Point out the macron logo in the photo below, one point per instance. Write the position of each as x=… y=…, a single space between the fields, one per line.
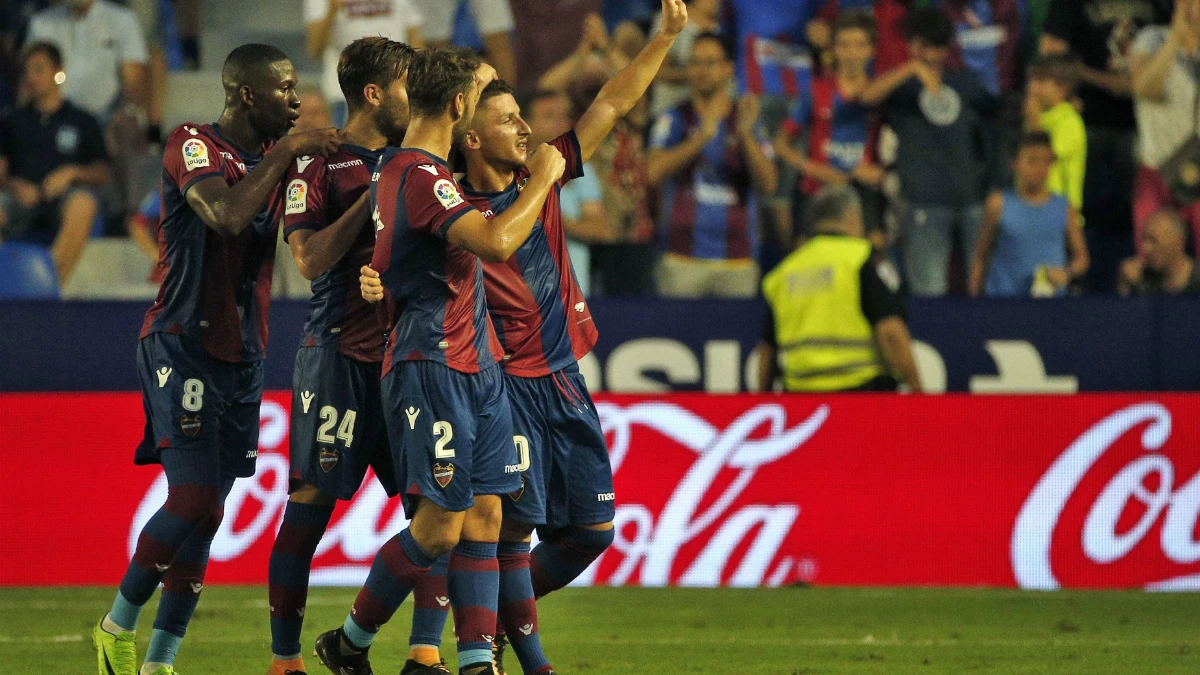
x=163 y=373
x=412 y=416
x=442 y=600
x=606 y=497
x=306 y=399
x=428 y=167
x=302 y=163
x=526 y=629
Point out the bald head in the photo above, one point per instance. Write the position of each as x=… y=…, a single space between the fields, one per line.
x=1163 y=239
x=836 y=210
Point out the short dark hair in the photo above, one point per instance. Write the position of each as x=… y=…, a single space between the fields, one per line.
x=371 y=60
x=831 y=206
x=1064 y=69
x=930 y=26
x=857 y=20
x=49 y=49
x=715 y=37
x=496 y=88
x=1035 y=139
x=249 y=62
x=436 y=76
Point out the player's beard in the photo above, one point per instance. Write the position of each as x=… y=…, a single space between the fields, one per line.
x=459 y=133
x=392 y=121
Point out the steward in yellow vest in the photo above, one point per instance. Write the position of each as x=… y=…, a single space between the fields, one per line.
x=835 y=321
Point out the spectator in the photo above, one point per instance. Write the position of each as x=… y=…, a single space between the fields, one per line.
x=671 y=87
x=537 y=49
x=625 y=266
x=493 y=20
x=1051 y=86
x=770 y=36
x=1027 y=231
x=333 y=24
x=947 y=133
x=51 y=152
x=581 y=201
x=711 y=159
x=597 y=57
x=843 y=133
x=1165 y=90
x=834 y=314
x=1100 y=33
x=987 y=34
x=891 y=46
x=104 y=51
x=1164 y=267
x=314 y=111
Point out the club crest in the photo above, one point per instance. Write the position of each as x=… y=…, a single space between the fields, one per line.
x=328 y=459
x=190 y=424
x=519 y=492
x=443 y=473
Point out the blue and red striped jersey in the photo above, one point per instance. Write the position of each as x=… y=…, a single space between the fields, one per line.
x=433 y=290
x=215 y=288
x=708 y=210
x=841 y=133
x=319 y=191
x=537 y=308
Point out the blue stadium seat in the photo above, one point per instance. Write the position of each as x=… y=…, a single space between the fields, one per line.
x=27 y=273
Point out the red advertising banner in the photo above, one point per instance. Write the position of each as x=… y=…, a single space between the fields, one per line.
x=1037 y=492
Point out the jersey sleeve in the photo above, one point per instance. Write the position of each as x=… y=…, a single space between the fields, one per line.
x=568 y=145
x=305 y=197
x=880 y=283
x=432 y=199
x=189 y=157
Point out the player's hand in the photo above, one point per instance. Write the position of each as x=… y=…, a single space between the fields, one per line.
x=747 y=115
x=547 y=164
x=674 y=14
x=26 y=193
x=595 y=34
x=57 y=182
x=323 y=142
x=1131 y=271
x=370 y=284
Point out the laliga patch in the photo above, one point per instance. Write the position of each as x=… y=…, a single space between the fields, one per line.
x=519 y=492
x=297 y=197
x=190 y=424
x=443 y=473
x=195 y=154
x=447 y=194
x=328 y=459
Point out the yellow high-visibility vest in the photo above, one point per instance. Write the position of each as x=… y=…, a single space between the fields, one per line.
x=815 y=294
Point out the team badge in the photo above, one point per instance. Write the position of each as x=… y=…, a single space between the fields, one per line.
x=447 y=194
x=328 y=459
x=195 y=154
x=190 y=424
x=519 y=492
x=297 y=197
x=443 y=473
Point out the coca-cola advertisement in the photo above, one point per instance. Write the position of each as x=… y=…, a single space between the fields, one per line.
x=1042 y=492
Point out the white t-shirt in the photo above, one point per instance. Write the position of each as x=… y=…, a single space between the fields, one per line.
x=93 y=48
x=356 y=19
x=1164 y=126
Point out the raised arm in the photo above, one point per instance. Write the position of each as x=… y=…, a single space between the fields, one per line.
x=319 y=32
x=497 y=239
x=882 y=87
x=624 y=90
x=229 y=210
x=317 y=251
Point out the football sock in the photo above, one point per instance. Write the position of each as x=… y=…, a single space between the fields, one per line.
x=287 y=577
x=397 y=568
x=474 y=584
x=182 y=585
x=431 y=607
x=518 y=611
x=557 y=561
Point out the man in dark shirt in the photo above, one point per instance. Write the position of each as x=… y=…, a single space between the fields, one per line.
x=51 y=151
x=947 y=159
x=834 y=314
x=1164 y=268
x=1101 y=33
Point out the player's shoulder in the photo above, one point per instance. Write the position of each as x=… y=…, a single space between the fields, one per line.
x=307 y=168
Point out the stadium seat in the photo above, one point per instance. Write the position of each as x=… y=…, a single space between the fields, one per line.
x=27 y=273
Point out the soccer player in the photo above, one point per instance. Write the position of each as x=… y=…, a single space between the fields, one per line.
x=337 y=421
x=448 y=418
x=545 y=326
x=202 y=343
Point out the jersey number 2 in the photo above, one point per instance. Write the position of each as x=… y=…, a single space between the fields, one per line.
x=345 y=432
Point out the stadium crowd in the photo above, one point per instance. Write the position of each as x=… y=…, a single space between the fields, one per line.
x=997 y=147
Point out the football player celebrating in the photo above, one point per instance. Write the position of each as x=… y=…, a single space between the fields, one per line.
x=337 y=421
x=448 y=418
x=202 y=343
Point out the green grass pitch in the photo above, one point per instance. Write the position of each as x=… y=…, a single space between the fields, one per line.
x=606 y=631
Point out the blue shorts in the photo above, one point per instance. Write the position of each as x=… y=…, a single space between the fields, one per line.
x=196 y=403
x=450 y=434
x=337 y=424
x=567 y=474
